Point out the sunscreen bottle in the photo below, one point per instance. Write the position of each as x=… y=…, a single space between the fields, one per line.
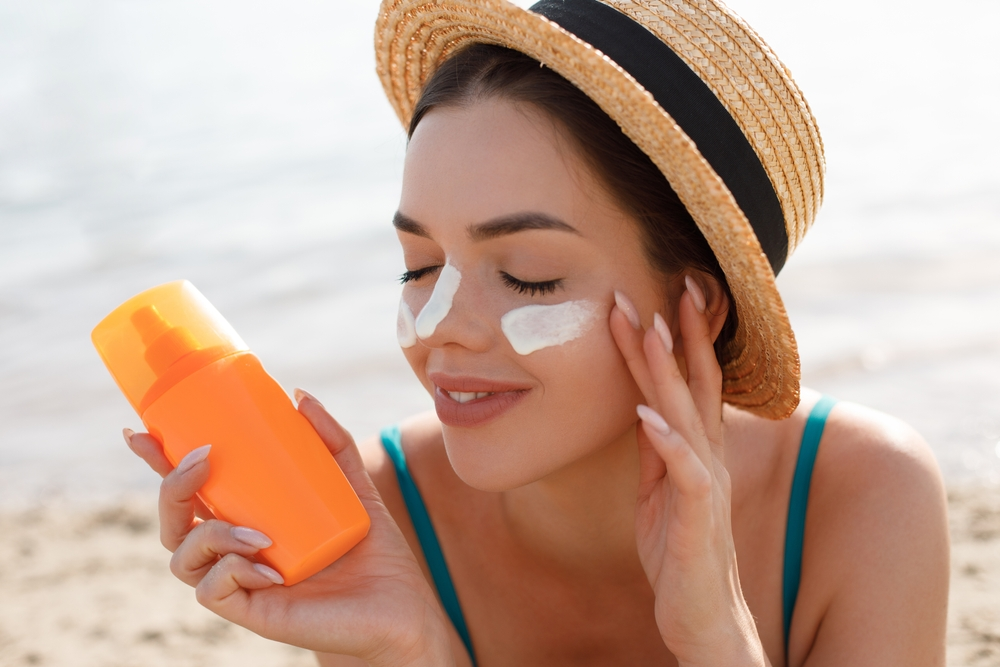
x=194 y=382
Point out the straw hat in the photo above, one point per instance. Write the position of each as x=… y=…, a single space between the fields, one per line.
x=703 y=96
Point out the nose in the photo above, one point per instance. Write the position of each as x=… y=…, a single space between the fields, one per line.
x=451 y=315
x=440 y=303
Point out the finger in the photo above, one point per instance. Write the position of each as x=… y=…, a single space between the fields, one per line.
x=652 y=468
x=674 y=402
x=627 y=332
x=149 y=449
x=177 y=497
x=210 y=541
x=225 y=589
x=686 y=470
x=339 y=442
x=704 y=372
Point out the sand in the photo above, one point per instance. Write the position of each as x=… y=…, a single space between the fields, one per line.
x=974 y=611
x=89 y=588
x=92 y=589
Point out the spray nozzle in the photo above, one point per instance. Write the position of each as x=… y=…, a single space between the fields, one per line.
x=165 y=344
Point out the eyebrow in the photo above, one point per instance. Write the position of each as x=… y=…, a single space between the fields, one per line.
x=502 y=226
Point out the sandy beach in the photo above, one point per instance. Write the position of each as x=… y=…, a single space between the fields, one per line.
x=92 y=589
x=974 y=612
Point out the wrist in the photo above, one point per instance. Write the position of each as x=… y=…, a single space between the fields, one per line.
x=734 y=643
x=428 y=646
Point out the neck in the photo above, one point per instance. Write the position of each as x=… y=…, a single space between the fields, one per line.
x=582 y=517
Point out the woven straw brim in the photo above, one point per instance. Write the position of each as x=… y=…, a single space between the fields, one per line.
x=761 y=367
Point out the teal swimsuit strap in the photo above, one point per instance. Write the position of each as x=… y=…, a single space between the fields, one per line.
x=426 y=535
x=797 y=503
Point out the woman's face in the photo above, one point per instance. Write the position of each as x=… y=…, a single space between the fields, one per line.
x=497 y=194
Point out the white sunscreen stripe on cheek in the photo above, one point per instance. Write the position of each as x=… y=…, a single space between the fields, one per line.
x=532 y=328
x=437 y=307
x=406 y=332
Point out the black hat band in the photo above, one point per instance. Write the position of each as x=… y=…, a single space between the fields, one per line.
x=690 y=102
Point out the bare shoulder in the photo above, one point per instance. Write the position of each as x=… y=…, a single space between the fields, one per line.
x=875 y=560
x=881 y=473
x=877 y=490
x=866 y=454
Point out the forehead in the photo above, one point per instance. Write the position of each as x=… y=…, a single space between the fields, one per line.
x=494 y=158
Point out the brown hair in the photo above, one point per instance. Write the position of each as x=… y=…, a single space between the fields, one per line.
x=673 y=242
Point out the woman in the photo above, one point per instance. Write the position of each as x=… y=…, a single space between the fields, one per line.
x=620 y=469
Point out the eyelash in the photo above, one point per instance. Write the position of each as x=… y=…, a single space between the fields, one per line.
x=522 y=287
x=417 y=274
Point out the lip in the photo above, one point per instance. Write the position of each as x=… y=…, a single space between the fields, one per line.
x=480 y=411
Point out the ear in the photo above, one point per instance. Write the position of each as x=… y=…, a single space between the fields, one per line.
x=717 y=303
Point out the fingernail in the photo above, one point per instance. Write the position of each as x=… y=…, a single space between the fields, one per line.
x=270 y=573
x=650 y=416
x=664 y=331
x=193 y=458
x=128 y=433
x=626 y=306
x=251 y=537
x=697 y=296
x=302 y=393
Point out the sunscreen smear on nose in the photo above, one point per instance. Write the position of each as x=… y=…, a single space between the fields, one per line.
x=406 y=331
x=438 y=306
x=194 y=382
x=532 y=328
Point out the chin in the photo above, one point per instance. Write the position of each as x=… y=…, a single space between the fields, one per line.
x=498 y=459
x=512 y=453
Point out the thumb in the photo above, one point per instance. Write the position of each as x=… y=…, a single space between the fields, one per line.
x=339 y=442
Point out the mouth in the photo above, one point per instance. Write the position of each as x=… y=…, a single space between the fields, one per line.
x=468 y=402
x=466 y=396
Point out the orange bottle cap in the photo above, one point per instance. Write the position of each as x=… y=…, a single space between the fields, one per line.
x=160 y=336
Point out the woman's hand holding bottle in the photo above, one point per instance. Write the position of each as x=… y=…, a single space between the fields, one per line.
x=373 y=603
x=683 y=527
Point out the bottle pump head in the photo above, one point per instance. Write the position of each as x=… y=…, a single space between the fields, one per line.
x=159 y=337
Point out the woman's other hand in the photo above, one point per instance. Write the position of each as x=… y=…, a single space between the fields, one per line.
x=683 y=527
x=373 y=602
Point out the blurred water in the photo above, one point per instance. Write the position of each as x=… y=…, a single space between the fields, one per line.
x=248 y=147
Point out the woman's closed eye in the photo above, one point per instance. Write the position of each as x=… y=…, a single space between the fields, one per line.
x=417 y=274
x=524 y=287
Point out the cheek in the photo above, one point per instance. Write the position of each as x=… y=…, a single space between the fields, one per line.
x=533 y=328
x=585 y=401
x=590 y=396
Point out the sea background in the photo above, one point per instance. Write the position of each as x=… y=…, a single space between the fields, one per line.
x=247 y=146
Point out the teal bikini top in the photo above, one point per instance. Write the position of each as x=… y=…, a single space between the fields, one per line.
x=794 y=530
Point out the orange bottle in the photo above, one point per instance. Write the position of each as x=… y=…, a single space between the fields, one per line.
x=193 y=382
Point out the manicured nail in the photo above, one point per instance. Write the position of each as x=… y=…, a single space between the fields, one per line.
x=697 y=296
x=251 y=537
x=128 y=433
x=650 y=416
x=302 y=393
x=270 y=573
x=626 y=306
x=193 y=458
x=664 y=331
